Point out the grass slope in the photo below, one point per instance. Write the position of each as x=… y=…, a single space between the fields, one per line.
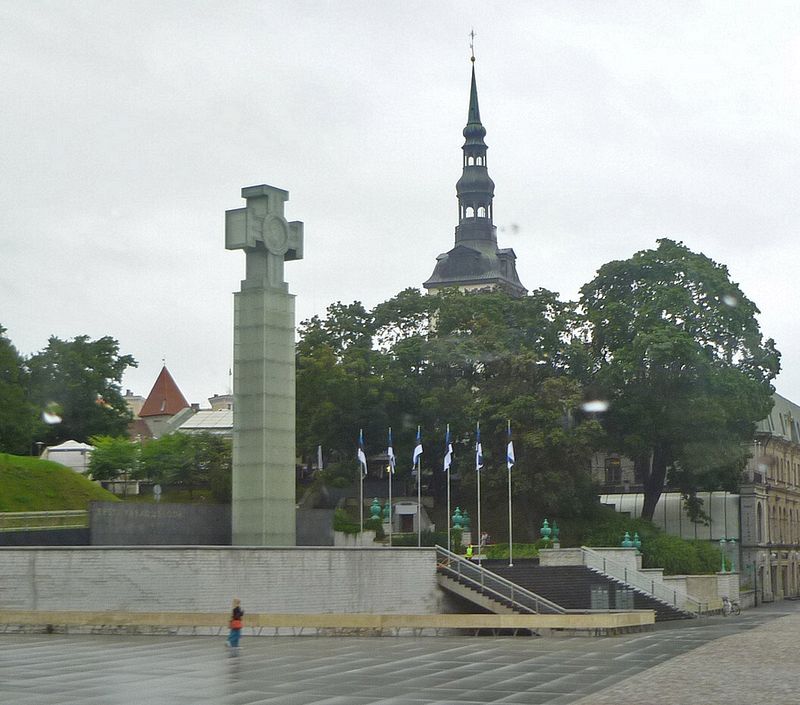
x=33 y=485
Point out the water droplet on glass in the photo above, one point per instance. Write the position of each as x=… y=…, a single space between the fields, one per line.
x=596 y=406
x=51 y=413
x=730 y=300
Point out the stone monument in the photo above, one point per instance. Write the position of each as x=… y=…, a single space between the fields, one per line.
x=263 y=498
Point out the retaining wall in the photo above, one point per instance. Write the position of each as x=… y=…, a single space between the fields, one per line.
x=205 y=579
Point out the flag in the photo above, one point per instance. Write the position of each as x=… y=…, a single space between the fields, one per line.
x=390 y=453
x=417 y=448
x=510 y=460
x=448 y=450
x=478 y=449
x=362 y=455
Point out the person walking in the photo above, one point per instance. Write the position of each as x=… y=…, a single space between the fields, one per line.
x=235 y=624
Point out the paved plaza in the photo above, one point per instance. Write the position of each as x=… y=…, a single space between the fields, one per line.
x=739 y=660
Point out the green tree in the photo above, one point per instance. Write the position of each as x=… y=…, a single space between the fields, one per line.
x=114 y=458
x=677 y=351
x=164 y=457
x=189 y=460
x=511 y=359
x=17 y=414
x=82 y=377
x=214 y=454
x=453 y=358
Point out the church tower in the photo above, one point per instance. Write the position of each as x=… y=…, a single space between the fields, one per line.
x=476 y=262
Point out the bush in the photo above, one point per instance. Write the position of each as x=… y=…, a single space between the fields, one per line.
x=606 y=527
x=375 y=525
x=344 y=523
x=428 y=538
x=680 y=557
x=521 y=550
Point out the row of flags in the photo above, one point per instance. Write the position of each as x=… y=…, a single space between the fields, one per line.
x=448 y=454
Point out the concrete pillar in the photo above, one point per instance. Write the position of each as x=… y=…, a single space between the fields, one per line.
x=263 y=499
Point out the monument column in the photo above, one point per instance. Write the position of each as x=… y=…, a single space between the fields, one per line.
x=263 y=495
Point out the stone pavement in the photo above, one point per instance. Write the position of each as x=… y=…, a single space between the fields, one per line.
x=748 y=659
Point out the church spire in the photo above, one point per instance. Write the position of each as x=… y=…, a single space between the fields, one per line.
x=475 y=262
x=475 y=190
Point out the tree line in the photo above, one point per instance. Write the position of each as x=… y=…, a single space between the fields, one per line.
x=664 y=340
x=68 y=390
x=667 y=344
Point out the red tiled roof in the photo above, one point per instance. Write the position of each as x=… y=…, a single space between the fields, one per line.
x=165 y=399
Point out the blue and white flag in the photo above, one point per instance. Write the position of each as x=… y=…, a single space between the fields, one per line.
x=448 y=450
x=478 y=449
x=390 y=453
x=417 y=448
x=362 y=455
x=510 y=460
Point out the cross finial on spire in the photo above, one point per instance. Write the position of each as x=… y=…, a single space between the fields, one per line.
x=472 y=46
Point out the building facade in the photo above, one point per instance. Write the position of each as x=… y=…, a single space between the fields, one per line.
x=760 y=527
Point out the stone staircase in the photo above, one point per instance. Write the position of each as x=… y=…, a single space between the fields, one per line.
x=577 y=587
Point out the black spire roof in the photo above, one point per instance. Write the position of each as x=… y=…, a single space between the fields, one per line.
x=476 y=262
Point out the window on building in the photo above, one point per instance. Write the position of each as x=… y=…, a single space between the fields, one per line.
x=613 y=471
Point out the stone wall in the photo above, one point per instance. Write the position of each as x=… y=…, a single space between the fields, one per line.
x=157 y=524
x=45 y=537
x=180 y=579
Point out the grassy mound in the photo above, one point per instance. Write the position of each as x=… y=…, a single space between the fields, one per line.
x=33 y=485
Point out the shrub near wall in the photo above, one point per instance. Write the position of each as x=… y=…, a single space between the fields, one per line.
x=680 y=557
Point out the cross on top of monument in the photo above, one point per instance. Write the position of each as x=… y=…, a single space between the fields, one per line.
x=263 y=233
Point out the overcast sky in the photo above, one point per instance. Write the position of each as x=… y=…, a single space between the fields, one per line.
x=128 y=128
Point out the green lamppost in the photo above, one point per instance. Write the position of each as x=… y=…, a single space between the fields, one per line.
x=637 y=542
x=457 y=519
x=722 y=553
x=375 y=509
x=732 y=542
x=626 y=541
x=545 y=531
x=465 y=521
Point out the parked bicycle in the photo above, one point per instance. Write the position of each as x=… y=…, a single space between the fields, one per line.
x=730 y=606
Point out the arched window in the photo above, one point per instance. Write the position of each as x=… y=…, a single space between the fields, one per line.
x=470 y=212
x=481 y=212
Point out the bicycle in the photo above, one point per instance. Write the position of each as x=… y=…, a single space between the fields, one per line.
x=730 y=606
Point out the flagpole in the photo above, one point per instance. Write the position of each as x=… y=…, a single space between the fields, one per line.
x=478 y=473
x=361 y=485
x=391 y=472
x=447 y=450
x=419 y=499
x=510 y=537
x=361 y=490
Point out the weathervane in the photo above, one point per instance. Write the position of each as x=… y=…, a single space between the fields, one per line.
x=472 y=46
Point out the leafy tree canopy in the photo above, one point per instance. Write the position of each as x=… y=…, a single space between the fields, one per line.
x=676 y=349
x=81 y=377
x=17 y=414
x=454 y=359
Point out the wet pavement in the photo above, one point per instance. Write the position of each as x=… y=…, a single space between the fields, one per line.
x=724 y=660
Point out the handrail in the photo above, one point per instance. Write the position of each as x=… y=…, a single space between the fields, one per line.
x=485 y=581
x=20 y=521
x=645 y=583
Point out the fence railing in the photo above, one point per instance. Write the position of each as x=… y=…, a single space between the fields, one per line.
x=493 y=585
x=26 y=521
x=642 y=581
